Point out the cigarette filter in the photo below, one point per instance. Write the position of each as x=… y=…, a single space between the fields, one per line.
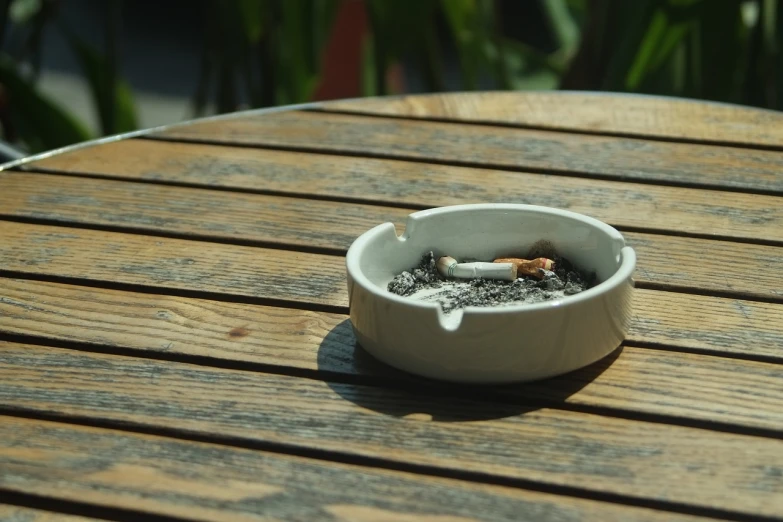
x=529 y=267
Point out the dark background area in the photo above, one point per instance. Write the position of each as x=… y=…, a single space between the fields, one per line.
x=76 y=69
x=159 y=43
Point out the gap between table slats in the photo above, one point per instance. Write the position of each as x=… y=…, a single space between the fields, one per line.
x=153 y=206
x=553 y=449
x=692 y=323
x=545 y=128
x=329 y=227
x=309 y=224
x=743 y=312
x=649 y=117
x=472 y=145
x=320 y=345
x=9 y=513
x=665 y=262
x=124 y=470
x=314 y=281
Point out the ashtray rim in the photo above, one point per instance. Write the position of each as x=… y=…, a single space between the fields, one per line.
x=619 y=277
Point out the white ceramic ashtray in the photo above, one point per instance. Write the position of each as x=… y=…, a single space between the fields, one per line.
x=490 y=344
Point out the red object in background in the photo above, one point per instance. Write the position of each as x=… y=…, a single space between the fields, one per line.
x=342 y=58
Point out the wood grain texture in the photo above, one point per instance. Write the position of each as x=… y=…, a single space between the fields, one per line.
x=729 y=391
x=420 y=185
x=598 y=454
x=171 y=324
x=731 y=460
x=23 y=514
x=588 y=112
x=201 y=481
x=328 y=224
x=572 y=154
x=231 y=270
x=705 y=265
x=204 y=327
x=731 y=326
x=172 y=263
x=208 y=214
x=700 y=265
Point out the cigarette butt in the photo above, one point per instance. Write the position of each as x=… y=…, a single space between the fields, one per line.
x=445 y=265
x=529 y=267
x=449 y=267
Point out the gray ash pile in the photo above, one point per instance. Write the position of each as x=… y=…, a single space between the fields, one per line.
x=424 y=282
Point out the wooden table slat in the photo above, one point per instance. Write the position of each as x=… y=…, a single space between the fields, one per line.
x=579 y=155
x=646 y=116
x=732 y=327
x=209 y=482
x=24 y=514
x=208 y=214
x=223 y=214
x=263 y=273
x=652 y=381
x=172 y=264
x=191 y=284
x=597 y=454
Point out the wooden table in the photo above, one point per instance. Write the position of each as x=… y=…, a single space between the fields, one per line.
x=175 y=339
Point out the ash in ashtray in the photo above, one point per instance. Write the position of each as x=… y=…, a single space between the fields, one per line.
x=426 y=282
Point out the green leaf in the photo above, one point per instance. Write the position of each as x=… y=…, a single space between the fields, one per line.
x=722 y=49
x=390 y=17
x=403 y=28
x=577 y=5
x=459 y=14
x=541 y=80
x=623 y=35
x=381 y=55
x=112 y=96
x=611 y=36
x=534 y=57
x=644 y=56
x=22 y=11
x=776 y=61
x=660 y=41
x=297 y=61
x=369 y=86
x=469 y=37
x=252 y=14
x=563 y=24
x=322 y=19
x=125 y=108
x=303 y=28
x=478 y=44
x=527 y=68
x=41 y=123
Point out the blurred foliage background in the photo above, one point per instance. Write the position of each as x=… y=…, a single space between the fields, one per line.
x=259 y=53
